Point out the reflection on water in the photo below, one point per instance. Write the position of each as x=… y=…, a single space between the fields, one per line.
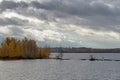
x=74 y=56
x=60 y=69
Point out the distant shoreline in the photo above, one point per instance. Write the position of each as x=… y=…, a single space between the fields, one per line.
x=20 y=58
x=84 y=50
x=84 y=53
x=61 y=59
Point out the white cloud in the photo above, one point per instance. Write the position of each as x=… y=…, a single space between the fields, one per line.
x=70 y=40
x=5 y=30
x=1 y=0
x=42 y=35
x=90 y=32
x=16 y=15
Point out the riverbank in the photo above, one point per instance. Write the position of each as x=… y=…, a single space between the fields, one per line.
x=58 y=59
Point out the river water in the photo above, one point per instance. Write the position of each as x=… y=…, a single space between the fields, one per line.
x=73 y=69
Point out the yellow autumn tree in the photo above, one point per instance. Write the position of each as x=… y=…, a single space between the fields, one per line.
x=12 y=53
x=33 y=49
x=0 y=53
x=4 y=50
x=18 y=49
x=8 y=40
x=25 y=48
x=44 y=52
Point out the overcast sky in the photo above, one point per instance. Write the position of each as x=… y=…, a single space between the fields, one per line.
x=77 y=23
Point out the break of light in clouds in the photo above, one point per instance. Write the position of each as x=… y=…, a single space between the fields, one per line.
x=77 y=23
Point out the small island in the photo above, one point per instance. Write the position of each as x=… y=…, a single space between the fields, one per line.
x=12 y=48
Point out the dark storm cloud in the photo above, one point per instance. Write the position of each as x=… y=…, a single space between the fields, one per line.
x=78 y=7
x=78 y=20
x=98 y=14
x=8 y=5
x=12 y=5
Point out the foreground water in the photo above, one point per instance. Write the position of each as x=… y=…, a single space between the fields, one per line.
x=73 y=69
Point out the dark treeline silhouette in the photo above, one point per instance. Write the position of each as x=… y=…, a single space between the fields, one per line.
x=12 y=48
x=85 y=50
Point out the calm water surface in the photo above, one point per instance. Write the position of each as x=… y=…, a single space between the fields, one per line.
x=73 y=69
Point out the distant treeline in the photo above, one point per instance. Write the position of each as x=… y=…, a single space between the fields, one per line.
x=12 y=48
x=84 y=50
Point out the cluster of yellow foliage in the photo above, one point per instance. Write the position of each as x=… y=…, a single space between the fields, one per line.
x=12 y=48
